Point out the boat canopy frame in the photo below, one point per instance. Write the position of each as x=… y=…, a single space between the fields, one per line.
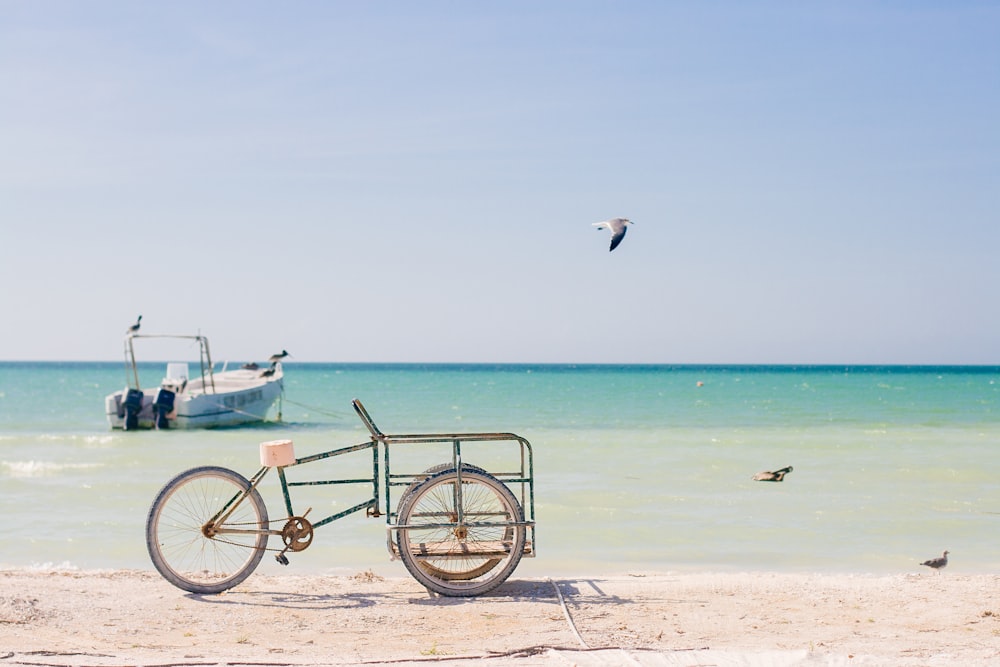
x=204 y=358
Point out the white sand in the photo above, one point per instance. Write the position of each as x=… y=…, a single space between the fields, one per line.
x=137 y=618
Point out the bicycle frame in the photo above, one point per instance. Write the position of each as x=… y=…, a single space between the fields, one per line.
x=520 y=480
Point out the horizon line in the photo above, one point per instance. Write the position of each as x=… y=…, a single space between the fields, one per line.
x=719 y=364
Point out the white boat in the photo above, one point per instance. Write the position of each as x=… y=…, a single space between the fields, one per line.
x=211 y=398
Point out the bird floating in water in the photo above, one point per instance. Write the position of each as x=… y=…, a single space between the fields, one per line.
x=775 y=476
x=617 y=227
x=134 y=329
x=275 y=358
x=937 y=563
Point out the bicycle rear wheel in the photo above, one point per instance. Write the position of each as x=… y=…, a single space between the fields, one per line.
x=184 y=541
x=465 y=556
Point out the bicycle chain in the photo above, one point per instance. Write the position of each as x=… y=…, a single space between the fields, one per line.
x=269 y=522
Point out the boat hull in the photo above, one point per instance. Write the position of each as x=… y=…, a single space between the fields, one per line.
x=239 y=397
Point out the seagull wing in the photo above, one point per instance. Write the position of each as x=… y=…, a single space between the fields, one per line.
x=618 y=233
x=936 y=562
x=617 y=227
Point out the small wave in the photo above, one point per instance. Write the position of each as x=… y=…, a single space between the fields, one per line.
x=100 y=440
x=60 y=437
x=90 y=440
x=41 y=468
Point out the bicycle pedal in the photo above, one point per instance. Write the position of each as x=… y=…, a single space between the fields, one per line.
x=282 y=559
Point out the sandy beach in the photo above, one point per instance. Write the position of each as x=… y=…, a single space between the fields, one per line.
x=131 y=617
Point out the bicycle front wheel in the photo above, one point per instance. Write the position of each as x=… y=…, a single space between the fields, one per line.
x=188 y=544
x=461 y=539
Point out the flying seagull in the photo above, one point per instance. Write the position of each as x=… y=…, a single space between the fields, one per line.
x=275 y=358
x=617 y=227
x=135 y=327
x=776 y=476
x=937 y=563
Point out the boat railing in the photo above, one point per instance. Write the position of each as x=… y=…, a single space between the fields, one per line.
x=204 y=358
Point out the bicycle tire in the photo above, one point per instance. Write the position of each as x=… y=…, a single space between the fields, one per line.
x=449 y=557
x=180 y=548
x=470 y=573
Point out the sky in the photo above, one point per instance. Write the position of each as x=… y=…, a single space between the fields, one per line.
x=810 y=183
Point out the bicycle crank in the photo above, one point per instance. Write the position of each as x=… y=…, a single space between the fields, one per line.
x=297 y=535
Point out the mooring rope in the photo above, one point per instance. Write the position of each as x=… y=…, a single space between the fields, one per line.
x=282 y=401
x=313 y=408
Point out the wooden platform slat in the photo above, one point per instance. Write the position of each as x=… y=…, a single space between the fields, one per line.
x=496 y=549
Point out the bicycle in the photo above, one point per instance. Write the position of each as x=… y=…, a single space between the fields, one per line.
x=460 y=530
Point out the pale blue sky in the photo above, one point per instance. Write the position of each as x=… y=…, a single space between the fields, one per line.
x=416 y=181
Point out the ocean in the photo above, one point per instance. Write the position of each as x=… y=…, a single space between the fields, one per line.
x=638 y=468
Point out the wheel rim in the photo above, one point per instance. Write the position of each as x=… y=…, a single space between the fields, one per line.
x=186 y=542
x=485 y=501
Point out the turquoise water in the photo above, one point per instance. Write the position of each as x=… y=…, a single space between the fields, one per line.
x=637 y=467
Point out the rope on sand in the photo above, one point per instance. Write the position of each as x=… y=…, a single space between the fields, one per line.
x=569 y=618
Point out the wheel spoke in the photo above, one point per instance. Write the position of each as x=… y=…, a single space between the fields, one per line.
x=460 y=553
x=184 y=552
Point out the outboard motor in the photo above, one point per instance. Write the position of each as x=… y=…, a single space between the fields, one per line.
x=132 y=402
x=163 y=403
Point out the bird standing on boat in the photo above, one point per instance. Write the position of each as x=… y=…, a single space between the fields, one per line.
x=275 y=358
x=617 y=227
x=775 y=476
x=937 y=563
x=134 y=329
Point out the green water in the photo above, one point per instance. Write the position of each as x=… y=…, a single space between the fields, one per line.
x=638 y=468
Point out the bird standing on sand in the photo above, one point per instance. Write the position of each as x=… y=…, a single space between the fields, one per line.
x=776 y=476
x=937 y=563
x=275 y=358
x=617 y=227
x=135 y=327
